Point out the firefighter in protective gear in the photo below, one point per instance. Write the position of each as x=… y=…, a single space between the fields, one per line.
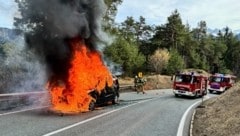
x=139 y=83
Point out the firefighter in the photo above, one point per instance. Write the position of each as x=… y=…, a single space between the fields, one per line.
x=139 y=83
x=135 y=82
x=116 y=87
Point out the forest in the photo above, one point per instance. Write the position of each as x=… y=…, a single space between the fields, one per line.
x=173 y=46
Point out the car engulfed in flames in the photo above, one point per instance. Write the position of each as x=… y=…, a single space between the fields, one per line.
x=68 y=38
x=89 y=82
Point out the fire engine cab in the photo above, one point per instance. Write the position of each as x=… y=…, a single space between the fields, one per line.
x=220 y=83
x=190 y=84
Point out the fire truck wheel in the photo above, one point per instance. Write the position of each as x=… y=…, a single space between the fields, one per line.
x=224 y=90
x=196 y=95
x=92 y=106
x=205 y=92
x=176 y=95
x=210 y=91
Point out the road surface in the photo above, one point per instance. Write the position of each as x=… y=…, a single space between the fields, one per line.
x=157 y=113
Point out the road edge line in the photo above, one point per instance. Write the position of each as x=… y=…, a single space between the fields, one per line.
x=23 y=110
x=193 y=117
x=191 y=124
x=183 y=119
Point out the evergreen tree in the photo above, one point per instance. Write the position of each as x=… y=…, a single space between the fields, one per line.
x=126 y=54
x=231 y=56
x=175 y=31
x=172 y=34
x=111 y=11
x=175 y=63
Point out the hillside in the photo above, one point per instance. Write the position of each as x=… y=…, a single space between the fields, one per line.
x=156 y=81
x=221 y=115
x=153 y=82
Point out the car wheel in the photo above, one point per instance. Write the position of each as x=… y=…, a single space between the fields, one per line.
x=114 y=101
x=92 y=105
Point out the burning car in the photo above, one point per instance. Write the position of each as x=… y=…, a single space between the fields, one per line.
x=108 y=94
x=68 y=39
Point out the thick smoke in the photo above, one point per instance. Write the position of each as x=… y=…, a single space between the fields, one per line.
x=54 y=22
x=19 y=69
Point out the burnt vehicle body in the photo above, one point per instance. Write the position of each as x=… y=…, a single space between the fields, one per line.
x=107 y=95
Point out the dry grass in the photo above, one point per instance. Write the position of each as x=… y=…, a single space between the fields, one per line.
x=221 y=117
x=198 y=71
x=126 y=81
x=153 y=82
x=158 y=82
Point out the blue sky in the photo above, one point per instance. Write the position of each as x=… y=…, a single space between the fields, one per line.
x=217 y=13
x=8 y=10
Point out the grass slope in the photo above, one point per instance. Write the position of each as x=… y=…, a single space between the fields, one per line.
x=221 y=117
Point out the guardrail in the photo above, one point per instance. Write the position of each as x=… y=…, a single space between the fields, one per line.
x=21 y=94
x=12 y=100
x=44 y=92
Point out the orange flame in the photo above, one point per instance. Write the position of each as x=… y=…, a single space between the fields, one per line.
x=87 y=72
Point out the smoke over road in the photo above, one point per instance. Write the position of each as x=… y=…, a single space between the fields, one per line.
x=50 y=25
x=65 y=35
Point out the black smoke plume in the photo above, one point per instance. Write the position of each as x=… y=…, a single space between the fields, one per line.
x=50 y=24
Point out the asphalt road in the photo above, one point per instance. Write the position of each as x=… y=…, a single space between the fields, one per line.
x=157 y=113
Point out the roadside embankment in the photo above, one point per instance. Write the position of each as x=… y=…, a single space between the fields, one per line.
x=153 y=82
x=221 y=115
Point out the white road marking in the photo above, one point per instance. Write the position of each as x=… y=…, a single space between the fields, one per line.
x=183 y=119
x=8 y=113
x=93 y=118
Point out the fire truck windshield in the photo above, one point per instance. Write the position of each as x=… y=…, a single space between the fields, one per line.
x=183 y=78
x=216 y=79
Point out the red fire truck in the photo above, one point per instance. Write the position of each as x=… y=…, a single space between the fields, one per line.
x=190 y=84
x=220 y=83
